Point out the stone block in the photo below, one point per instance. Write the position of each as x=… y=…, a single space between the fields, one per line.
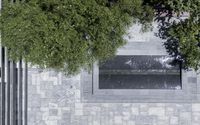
x=118 y=120
x=144 y=120
x=78 y=112
x=52 y=122
x=131 y=123
x=173 y=120
x=192 y=80
x=157 y=111
x=134 y=111
x=196 y=117
x=185 y=118
x=144 y=107
x=53 y=112
x=79 y=106
x=196 y=107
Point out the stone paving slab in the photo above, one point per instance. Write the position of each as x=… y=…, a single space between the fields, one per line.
x=55 y=99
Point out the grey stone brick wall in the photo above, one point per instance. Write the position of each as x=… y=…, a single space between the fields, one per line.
x=55 y=99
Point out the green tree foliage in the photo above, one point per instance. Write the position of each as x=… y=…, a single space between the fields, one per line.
x=182 y=34
x=71 y=34
x=68 y=34
x=183 y=42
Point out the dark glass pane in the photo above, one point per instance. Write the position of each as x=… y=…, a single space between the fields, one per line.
x=139 y=72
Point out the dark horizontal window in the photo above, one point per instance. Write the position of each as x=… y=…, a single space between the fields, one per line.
x=140 y=72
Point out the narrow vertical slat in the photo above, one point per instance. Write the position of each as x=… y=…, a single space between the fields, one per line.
x=20 y=91
x=1 y=96
x=0 y=92
x=2 y=86
x=7 y=89
x=13 y=93
x=8 y=94
x=25 y=99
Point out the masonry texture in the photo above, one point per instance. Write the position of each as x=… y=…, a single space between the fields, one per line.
x=55 y=99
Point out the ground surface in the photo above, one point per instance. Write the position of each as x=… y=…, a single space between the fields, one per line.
x=55 y=100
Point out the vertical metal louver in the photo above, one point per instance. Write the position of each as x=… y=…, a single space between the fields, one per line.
x=13 y=89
